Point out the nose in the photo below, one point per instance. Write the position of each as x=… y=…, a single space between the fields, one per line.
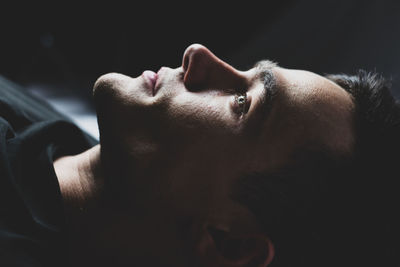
x=202 y=69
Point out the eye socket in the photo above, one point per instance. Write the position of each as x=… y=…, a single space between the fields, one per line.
x=241 y=103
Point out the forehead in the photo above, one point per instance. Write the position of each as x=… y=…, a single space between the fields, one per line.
x=308 y=110
x=307 y=80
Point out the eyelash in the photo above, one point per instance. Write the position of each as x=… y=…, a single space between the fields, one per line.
x=241 y=103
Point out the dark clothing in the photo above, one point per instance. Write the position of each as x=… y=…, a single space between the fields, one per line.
x=32 y=135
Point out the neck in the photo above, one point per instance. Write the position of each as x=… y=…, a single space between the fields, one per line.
x=80 y=179
x=81 y=182
x=99 y=233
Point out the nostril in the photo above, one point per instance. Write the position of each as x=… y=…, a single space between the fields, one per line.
x=196 y=64
x=185 y=62
x=203 y=69
x=187 y=55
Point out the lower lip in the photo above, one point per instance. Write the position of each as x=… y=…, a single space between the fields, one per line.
x=151 y=78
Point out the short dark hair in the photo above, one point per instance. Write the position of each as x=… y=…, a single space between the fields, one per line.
x=326 y=209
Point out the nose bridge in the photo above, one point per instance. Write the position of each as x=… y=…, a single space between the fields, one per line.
x=203 y=68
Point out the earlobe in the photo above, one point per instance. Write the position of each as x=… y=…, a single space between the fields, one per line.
x=221 y=248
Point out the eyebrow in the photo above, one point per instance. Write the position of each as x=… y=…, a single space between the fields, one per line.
x=266 y=76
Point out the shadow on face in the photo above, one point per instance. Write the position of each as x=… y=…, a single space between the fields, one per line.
x=181 y=137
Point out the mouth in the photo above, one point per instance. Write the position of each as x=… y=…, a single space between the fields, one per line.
x=151 y=79
x=157 y=84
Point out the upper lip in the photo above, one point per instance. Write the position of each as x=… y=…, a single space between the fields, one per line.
x=156 y=85
x=150 y=78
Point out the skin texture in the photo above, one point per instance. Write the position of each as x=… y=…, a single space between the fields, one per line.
x=181 y=146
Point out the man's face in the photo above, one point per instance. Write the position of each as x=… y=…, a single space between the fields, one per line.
x=191 y=131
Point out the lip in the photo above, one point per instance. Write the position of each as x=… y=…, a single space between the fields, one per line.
x=156 y=86
x=151 y=79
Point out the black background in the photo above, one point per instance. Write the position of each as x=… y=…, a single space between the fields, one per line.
x=67 y=47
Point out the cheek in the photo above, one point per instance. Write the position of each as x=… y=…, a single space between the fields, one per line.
x=205 y=114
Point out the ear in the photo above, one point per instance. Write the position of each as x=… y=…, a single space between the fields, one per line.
x=219 y=247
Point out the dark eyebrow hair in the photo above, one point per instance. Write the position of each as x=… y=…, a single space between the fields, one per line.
x=265 y=64
x=266 y=76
